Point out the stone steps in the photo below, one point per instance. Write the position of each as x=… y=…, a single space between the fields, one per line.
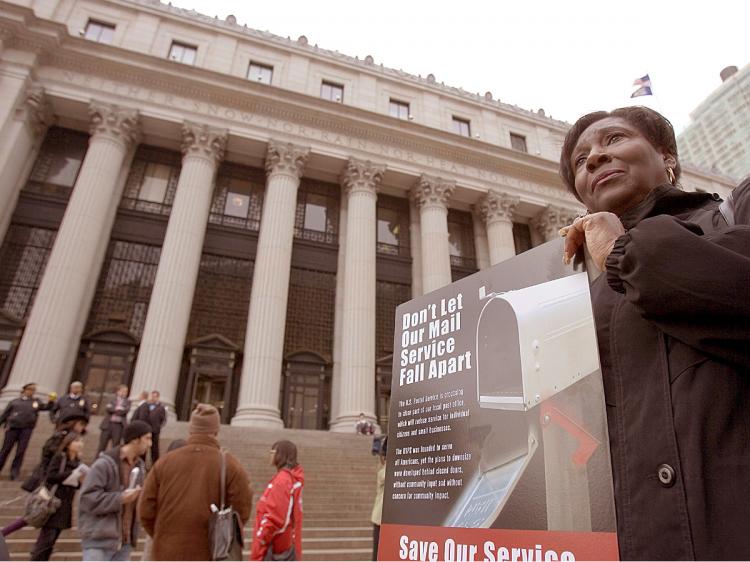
x=338 y=494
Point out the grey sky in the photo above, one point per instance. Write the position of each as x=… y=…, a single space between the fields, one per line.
x=568 y=57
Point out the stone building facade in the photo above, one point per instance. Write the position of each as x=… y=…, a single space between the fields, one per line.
x=232 y=217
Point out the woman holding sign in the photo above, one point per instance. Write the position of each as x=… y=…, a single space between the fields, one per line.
x=673 y=324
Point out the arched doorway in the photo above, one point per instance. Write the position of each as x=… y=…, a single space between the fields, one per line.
x=210 y=376
x=306 y=393
x=383 y=375
x=105 y=362
x=11 y=329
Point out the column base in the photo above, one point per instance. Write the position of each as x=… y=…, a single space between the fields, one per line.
x=347 y=423
x=266 y=418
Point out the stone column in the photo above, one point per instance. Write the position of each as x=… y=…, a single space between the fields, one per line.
x=54 y=327
x=163 y=340
x=338 y=319
x=415 y=239
x=481 y=245
x=357 y=387
x=264 y=340
x=551 y=220
x=431 y=195
x=497 y=210
x=24 y=136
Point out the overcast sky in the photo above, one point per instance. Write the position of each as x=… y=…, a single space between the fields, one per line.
x=567 y=56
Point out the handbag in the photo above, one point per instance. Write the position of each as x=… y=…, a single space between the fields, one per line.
x=289 y=554
x=42 y=503
x=224 y=525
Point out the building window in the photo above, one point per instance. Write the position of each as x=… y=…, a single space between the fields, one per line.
x=518 y=142
x=238 y=198
x=99 y=31
x=521 y=237
x=183 y=53
x=398 y=109
x=152 y=181
x=332 y=92
x=56 y=168
x=461 y=126
x=260 y=73
x=461 y=240
x=317 y=217
x=393 y=226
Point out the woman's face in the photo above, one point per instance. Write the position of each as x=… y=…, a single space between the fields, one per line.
x=616 y=167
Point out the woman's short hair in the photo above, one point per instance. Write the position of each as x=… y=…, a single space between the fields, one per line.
x=654 y=127
x=286 y=454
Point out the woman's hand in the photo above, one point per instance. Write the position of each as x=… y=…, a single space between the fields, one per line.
x=598 y=231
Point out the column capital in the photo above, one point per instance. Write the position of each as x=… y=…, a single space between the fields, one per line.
x=431 y=191
x=117 y=123
x=35 y=111
x=551 y=220
x=498 y=207
x=362 y=175
x=286 y=158
x=203 y=141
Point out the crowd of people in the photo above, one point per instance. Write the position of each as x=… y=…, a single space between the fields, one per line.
x=172 y=497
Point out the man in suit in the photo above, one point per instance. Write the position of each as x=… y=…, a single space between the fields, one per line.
x=154 y=413
x=115 y=419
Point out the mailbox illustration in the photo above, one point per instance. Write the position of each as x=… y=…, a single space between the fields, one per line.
x=531 y=344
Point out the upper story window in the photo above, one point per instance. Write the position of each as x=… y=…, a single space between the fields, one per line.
x=183 y=53
x=461 y=239
x=152 y=181
x=398 y=109
x=332 y=92
x=260 y=72
x=521 y=237
x=518 y=142
x=393 y=226
x=317 y=216
x=99 y=31
x=56 y=168
x=461 y=126
x=238 y=198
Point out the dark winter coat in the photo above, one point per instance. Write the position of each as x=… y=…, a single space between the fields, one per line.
x=673 y=322
x=57 y=472
x=67 y=405
x=49 y=449
x=176 y=501
x=155 y=417
x=22 y=412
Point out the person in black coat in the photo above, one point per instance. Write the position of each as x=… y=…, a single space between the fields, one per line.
x=73 y=402
x=115 y=419
x=153 y=413
x=62 y=464
x=20 y=417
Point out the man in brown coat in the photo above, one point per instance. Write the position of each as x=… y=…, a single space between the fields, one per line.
x=178 y=493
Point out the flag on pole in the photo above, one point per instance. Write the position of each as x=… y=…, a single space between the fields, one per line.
x=644 y=87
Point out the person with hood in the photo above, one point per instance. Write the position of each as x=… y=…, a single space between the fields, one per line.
x=61 y=466
x=181 y=487
x=278 y=517
x=20 y=417
x=107 y=518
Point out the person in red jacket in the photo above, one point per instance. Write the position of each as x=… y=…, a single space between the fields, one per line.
x=278 y=517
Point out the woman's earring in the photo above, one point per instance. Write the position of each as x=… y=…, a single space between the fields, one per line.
x=670 y=175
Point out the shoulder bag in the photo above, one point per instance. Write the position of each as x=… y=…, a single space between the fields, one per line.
x=224 y=525
x=42 y=503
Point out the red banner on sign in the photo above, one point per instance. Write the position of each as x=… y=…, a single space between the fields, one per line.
x=453 y=544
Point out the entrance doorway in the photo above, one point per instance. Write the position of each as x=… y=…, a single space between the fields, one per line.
x=306 y=394
x=107 y=362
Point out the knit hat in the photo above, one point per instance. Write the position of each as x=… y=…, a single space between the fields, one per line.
x=205 y=420
x=135 y=430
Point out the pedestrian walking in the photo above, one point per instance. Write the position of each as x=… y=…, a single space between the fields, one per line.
x=62 y=467
x=19 y=418
x=115 y=419
x=277 y=534
x=107 y=514
x=182 y=486
x=153 y=413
